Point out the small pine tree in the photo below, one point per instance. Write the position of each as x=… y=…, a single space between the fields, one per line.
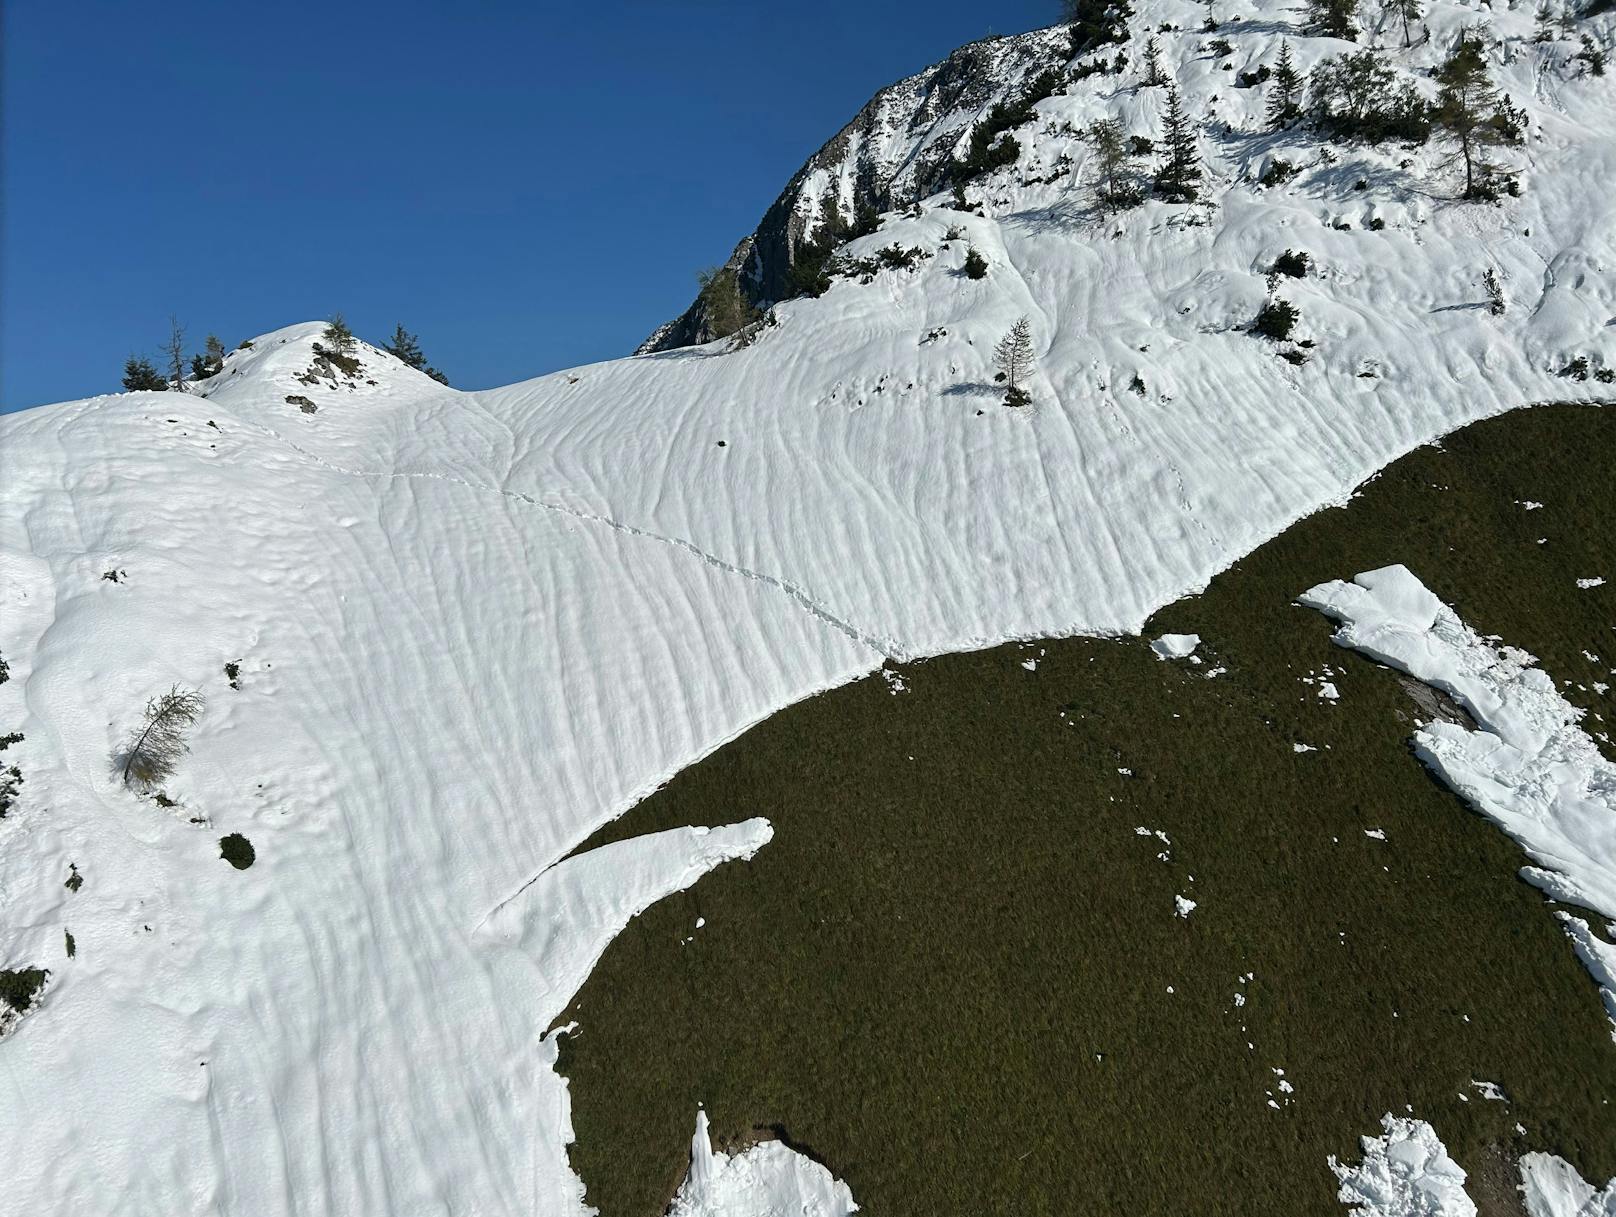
x=1285 y=93
x=210 y=361
x=1013 y=356
x=1334 y=18
x=404 y=347
x=139 y=375
x=1113 y=164
x=976 y=266
x=1154 y=75
x=1495 y=292
x=1591 y=56
x=1472 y=113
x=1179 y=178
x=1545 y=24
x=338 y=337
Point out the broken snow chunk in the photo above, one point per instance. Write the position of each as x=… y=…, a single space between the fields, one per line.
x=1183 y=906
x=1406 y=1173
x=1176 y=646
x=1378 y=834
x=1596 y=581
x=1328 y=691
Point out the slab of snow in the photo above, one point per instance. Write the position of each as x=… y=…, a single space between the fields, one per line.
x=1183 y=906
x=1528 y=766
x=767 y=1180
x=1552 y=1187
x=1175 y=646
x=1406 y=1172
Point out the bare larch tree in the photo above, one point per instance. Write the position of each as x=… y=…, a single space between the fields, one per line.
x=157 y=745
x=1014 y=357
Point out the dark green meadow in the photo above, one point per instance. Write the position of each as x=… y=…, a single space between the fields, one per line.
x=956 y=974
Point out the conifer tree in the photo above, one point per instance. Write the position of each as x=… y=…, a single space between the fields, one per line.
x=1285 y=93
x=1406 y=11
x=338 y=337
x=1013 y=356
x=404 y=347
x=210 y=361
x=1544 y=31
x=1179 y=177
x=1113 y=163
x=1471 y=112
x=1095 y=22
x=1153 y=67
x=139 y=374
x=1334 y=18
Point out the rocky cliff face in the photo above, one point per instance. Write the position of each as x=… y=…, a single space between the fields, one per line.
x=895 y=151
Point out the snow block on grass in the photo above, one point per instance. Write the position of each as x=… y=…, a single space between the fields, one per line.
x=1405 y=1173
x=1176 y=646
x=1553 y=1188
x=768 y=1180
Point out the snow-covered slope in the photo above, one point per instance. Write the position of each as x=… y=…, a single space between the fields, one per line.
x=471 y=627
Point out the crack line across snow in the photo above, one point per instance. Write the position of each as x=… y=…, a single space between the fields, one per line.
x=885 y=647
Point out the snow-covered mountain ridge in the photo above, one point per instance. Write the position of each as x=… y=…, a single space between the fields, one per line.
x=899 y=150
x=468 y=628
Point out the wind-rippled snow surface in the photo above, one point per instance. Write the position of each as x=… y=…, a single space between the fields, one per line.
x=473 y=627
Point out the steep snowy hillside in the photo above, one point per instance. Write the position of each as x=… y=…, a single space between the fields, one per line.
x=443 y=636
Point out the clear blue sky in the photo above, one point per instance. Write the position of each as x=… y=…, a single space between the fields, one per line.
x=525 y=185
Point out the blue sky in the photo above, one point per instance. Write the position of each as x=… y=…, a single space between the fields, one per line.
x=526 y=186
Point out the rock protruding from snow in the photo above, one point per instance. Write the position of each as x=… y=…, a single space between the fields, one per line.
x=1405 y=1173
x=768 y=1180
x=1527 y=767
x=1553 y=1188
